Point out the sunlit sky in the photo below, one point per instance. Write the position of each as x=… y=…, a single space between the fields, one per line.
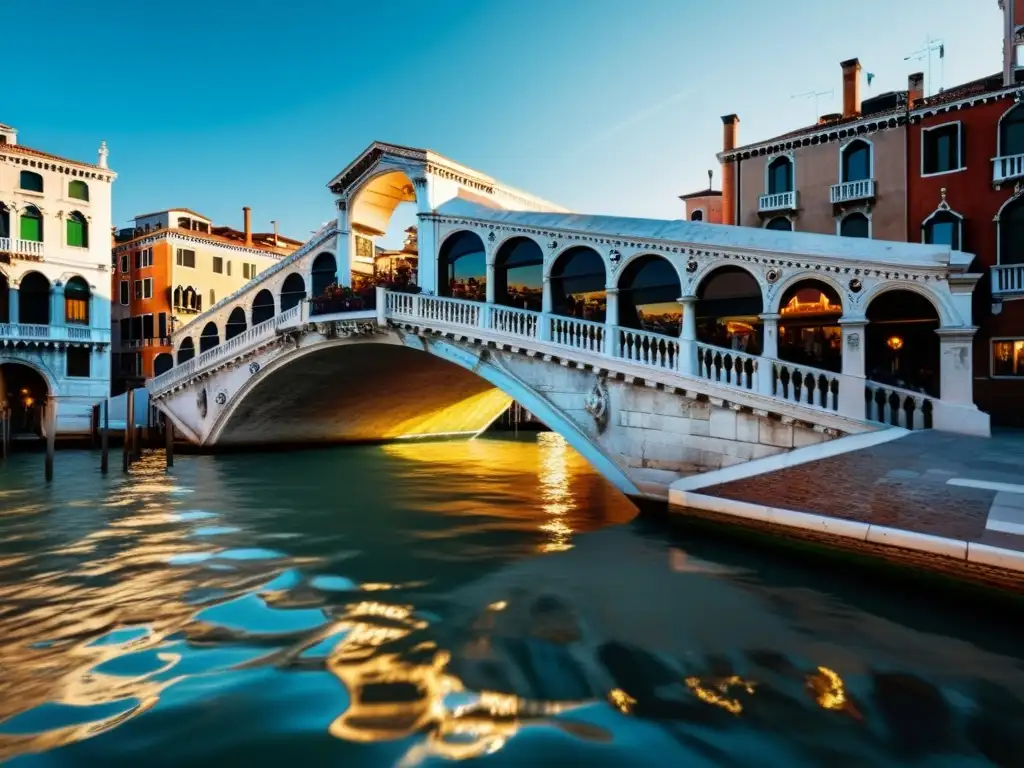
x=604 y=106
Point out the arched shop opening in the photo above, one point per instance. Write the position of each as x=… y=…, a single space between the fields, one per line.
x=186 y=350
x=323 y=273
x=236 y=323
x=729 y=307
x=809 y=331
x=263 y=306
x=462 y=267
x=209 y=338
x=649 y=294
x=162 y=363
x=23 y=391
x=579 y=285
x=902 y=348
x=293 y=291
x=519 y=274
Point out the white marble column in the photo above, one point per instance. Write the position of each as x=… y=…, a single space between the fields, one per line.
x=12 y=304
x=769 y=353
x=956 y=369
x=57 y=304
x=489 y=277
x=344 y=245
x=611 y=322
x=851 y=386
x=426 y=235
x=688 y=335
x=547 y=302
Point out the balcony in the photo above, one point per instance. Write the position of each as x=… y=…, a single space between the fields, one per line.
x=48 y=335
x=780 y=201
x=1007 y=168
x=1008 y=280
x=853 y=191
x=27 y=249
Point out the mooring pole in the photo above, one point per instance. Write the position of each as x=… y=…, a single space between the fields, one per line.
x=3 y=432
x=169 y=440
x=51 y=435
x=94 y=423
x=129 y=431
x=104 y=436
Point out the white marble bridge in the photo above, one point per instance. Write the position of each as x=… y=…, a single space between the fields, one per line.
x=642 y=393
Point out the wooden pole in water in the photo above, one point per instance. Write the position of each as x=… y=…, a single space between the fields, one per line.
x=51 y=434
x=129 y=422
x=3 y=432
x=104 y=437
x=169 y=440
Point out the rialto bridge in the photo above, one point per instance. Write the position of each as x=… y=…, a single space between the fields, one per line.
x=656 y=348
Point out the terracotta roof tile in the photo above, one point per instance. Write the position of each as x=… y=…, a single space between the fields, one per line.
x=973 y=88
x=21 y=149
x=703 y=193
x=213 y=238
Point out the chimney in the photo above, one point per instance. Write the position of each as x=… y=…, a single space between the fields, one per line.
x=851 y=87
x=915 y=89
x=275 y=232
x=247 y=224
x=730 y=128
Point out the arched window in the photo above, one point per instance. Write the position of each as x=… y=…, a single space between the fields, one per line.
x=809 y=332
x=649 y=294
x=324 y=273
x=177 y=297
x=856 y=161
x=31 y=225
x=78 y=230
x=1011 y=132
x=519 y=274
x=462 y=267
x=943 y=228
x=31 y=182
x=209 y=338
x=729 y=308
x=163 y=362
x=78 y=190
x=780 y=176
x=579 y=283
x=5 y=221
x=5 y=298
x=186 y=350
x=855 y=225
x=184 y=222
x=1011 y=233
x=901 y=347
x=76 y=301
x=34 y=299
x=262 y=307
x=236 y=323
x=697 y=215
x=293 y=291
x=780 y=224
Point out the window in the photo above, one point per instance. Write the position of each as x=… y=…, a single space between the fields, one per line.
x=249 y=270
x=855 y=225
x=78 y=230
x=856 y=161
x=780 y=176
x=126 y=330
x=943 y=228
x=1008 y=357
x=124 y=293
x=162 y=325
x=31 y=182
x=144 y=288
x=78 y=361
x=136 y=334
x=138 y=289
x=76 y=301
x=185 y=258
x=229 y=269
x=144 y=258
x=147 y=326
x=32 y=225
x=780 y=224
x=697 y=215
x=124 y=263
x=1011 y=233
x=78 y=190
x=213 y=297
x=1011 y=132
x=941 y=149
x=218 y=265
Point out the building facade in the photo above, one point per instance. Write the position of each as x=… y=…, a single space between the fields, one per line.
x=55 y=224
x=169 y=267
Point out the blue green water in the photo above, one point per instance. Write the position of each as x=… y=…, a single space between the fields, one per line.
x=492 y=601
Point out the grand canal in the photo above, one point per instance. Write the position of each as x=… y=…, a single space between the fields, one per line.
x=411 y=604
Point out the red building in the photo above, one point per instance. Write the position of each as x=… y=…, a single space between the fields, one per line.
x=965 y=153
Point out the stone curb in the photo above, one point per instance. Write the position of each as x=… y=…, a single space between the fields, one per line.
x=955 y=549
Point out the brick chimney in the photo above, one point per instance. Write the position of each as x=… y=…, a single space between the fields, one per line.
x=851 y=87
x=247 y=224
x=730 y=130
x=915 y=89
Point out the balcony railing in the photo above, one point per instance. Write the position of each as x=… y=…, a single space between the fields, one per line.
x=1008 y=280
x=32 y=332
x=17 y=247
x=849 y=191
x=1006 y=168
x=780 y=201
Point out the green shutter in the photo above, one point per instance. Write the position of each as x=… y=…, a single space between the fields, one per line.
x=76 y=233
x=78 y=190
x=32 y=229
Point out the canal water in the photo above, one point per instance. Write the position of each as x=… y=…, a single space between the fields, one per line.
x=493 y=600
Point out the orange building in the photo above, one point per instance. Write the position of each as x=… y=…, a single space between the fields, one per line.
x=168 y=267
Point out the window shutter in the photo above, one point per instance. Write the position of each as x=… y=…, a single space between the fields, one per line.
x=31 y=229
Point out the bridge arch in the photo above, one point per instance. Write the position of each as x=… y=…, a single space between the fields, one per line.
x=809 y=330
x=209 y=338
x=262 y=307
x=236 y=323
x=578 y=281
x=730 y=302
x=462 y=266
x=454 y=372
x=947 y=316
x=322 y=273
x=649 y=290
x=519 y=274
x=293 y=291
x=901 y=346
x=186 y=350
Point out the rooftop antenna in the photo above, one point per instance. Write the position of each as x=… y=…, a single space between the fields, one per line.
x=931 y=45
x=816 y=95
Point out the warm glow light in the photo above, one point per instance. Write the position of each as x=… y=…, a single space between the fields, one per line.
x=555 y=493
x=621 y=700
x=819 y=306
x=716 y=692
x=895 y=343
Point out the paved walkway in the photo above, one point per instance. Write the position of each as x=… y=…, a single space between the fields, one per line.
x=966 y=491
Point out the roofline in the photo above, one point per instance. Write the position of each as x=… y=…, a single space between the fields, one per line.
x=169 y=232
x=168 y=210
x=43 y=155
x=705 y=193
x=967 y=101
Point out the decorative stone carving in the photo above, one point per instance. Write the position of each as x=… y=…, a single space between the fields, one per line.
x=614 y=256
x=254 y=367
x=221 y=398
x=856 y=285
x=596 y=405
x=959 y=354
x=691 y=266
x=773 y=275
x=553 y=244
x=201 y=403
x=853 y=340
x=346 y=328
x=491 y=237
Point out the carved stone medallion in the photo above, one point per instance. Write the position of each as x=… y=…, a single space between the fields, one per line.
x=596 y=405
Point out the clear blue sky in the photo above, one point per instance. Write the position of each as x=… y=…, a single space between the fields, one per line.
x=604 y=106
